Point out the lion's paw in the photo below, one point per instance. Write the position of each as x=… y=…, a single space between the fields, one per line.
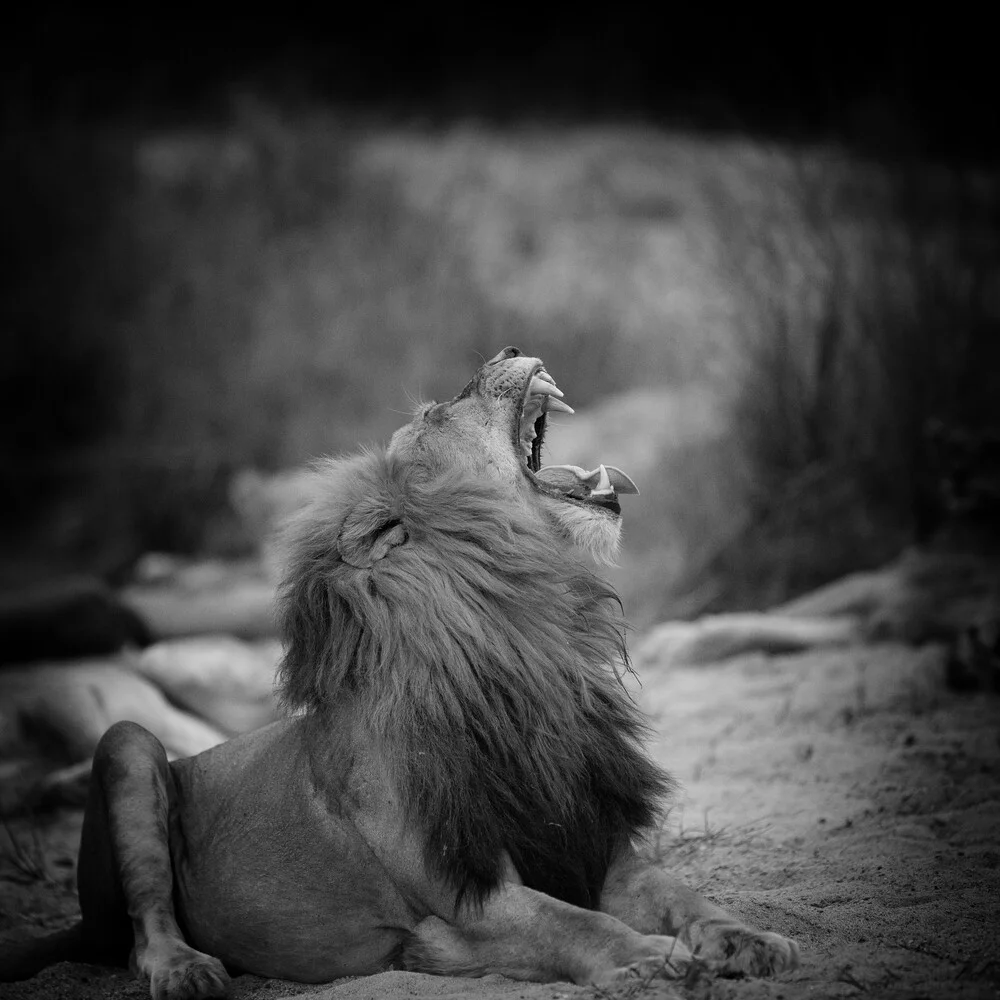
x=177 y=972
x=735 y=949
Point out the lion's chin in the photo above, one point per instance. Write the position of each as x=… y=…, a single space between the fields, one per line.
x=596 y=531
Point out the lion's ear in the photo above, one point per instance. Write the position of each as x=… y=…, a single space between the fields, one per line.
x=322 y=610
x=368 y=535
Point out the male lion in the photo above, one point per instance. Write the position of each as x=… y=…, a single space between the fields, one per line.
x=464 y=788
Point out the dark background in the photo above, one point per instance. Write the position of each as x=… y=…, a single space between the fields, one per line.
x=135 y=376
x=890 y=85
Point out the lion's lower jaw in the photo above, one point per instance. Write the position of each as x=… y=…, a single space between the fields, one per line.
x=594 y=530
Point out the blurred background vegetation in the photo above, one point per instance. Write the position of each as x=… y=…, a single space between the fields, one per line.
x=757 y=330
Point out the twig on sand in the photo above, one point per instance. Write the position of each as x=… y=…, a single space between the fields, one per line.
x=846 y=976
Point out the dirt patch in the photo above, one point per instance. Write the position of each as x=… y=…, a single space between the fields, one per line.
x=843 y=798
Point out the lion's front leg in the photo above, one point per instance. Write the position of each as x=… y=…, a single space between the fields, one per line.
x=125 y=869
x=652 y=901
x=527 y=935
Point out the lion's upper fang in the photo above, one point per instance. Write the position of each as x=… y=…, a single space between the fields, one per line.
x=543 y=396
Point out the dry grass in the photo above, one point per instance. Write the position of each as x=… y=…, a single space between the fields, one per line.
x=25 y=854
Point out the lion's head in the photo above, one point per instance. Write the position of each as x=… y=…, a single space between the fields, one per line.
x=432 y=599
x=495 y=428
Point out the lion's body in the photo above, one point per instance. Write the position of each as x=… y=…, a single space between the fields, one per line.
x=269 y=879
x=452 y=740
x=465 y=783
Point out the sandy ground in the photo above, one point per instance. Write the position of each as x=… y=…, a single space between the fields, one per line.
x=843 y=798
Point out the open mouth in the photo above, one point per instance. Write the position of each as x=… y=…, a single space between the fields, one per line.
x=598 y=488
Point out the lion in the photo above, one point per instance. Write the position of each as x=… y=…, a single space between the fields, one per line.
x=463 y=789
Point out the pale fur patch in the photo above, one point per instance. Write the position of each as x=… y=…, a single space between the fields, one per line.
x=595 y=531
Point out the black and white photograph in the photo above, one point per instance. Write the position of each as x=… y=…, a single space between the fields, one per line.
x=499 y=504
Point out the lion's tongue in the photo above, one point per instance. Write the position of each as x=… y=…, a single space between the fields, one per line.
x=605 y=480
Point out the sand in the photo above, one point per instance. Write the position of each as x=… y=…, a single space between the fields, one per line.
x=844 y=798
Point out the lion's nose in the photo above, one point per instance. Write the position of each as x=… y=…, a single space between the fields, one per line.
x=505 y=355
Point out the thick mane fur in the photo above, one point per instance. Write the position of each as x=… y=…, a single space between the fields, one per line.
x=481 y=657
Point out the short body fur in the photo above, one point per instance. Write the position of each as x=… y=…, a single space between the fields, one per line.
x=484 y=662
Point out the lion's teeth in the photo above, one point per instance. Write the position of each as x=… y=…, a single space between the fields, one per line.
x=621 y=482
x=542 y=388
x=603 y=483
x=557 y=404
x=542 y=373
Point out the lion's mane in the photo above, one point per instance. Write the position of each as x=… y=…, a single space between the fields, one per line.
x=481 y=657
